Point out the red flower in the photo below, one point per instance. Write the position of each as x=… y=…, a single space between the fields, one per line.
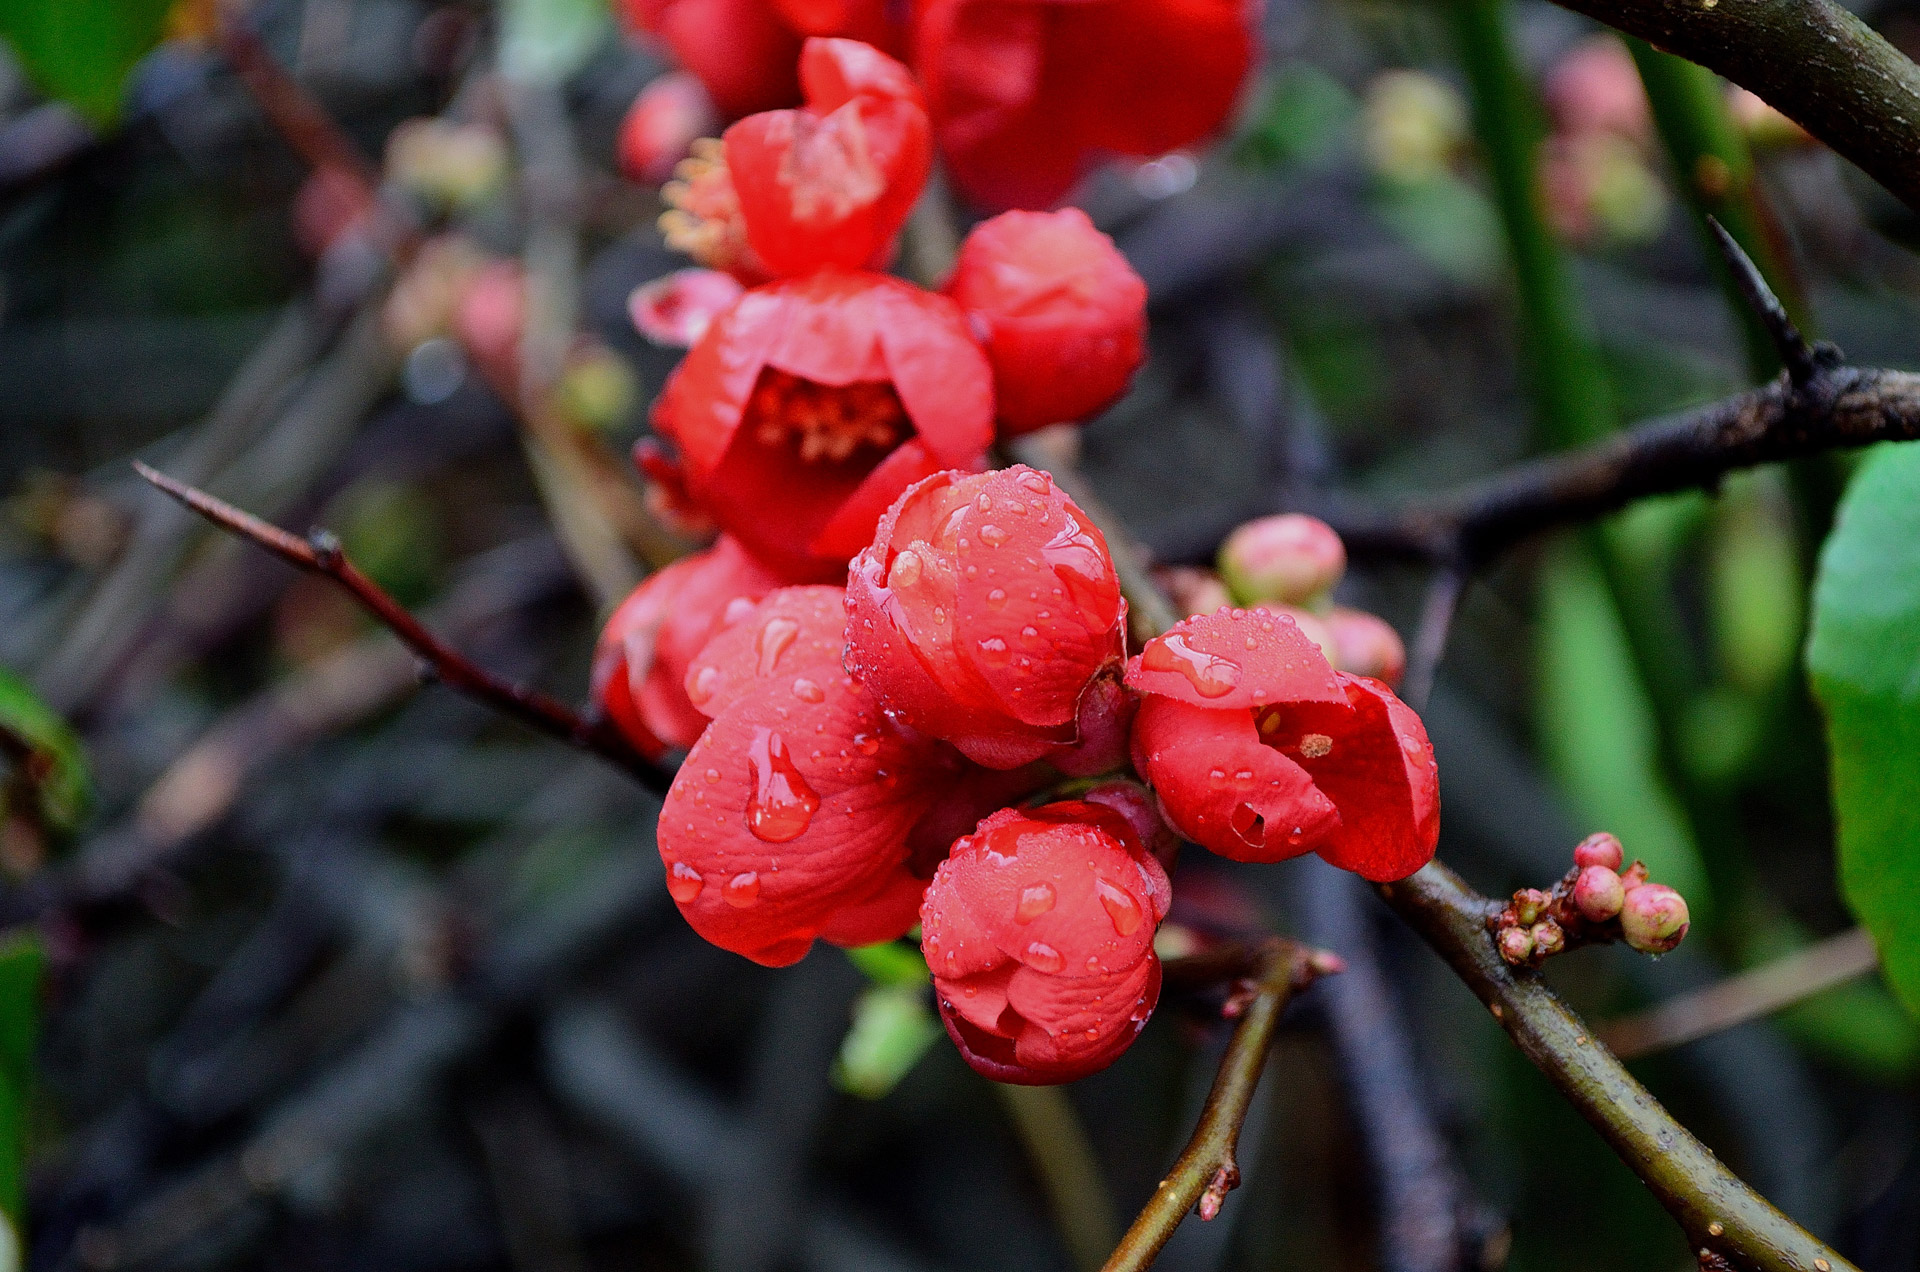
x=1025 y=94
x=1038 y=929
x=741 y=49
x=1062 y=314
x=648 y=643
x=808 y=406
x=792 y=815
x=670 y=114
x=984 y=608
x=1259 y=750
x=832 y=183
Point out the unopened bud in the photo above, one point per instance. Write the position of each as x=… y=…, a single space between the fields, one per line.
x=1654 y=918
x=669 y=115
x=1290 y=558
x=1192 y=590
x=1548 y=939
x=1598 y=894
x=1311 y=625
x=1516 y=945
x=1633 y=876
x=1366 y=644
x=1600 y=849
x=1529 y=904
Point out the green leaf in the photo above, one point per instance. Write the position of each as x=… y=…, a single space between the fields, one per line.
x=55 y=764
x=23 y=965
x=1864 y=657
x=891 y=963
x=81 y=51
x=546 y=41
x=892 y=1028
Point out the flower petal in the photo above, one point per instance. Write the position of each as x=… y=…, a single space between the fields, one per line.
x=1235 y=658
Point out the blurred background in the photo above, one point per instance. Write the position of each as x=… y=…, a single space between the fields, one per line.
x=311 y=966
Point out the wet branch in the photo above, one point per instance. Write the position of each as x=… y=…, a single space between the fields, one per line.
x=321 y=554
x=1206 y=1170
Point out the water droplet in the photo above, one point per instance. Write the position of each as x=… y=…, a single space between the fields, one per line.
x=742 y=890
x=1029 y=632
x=1217 y=779
x=781 y=804
x=866 y=743
x=683 y=882
x=1081 y=561
x=773 y=641
x=713 y=775
x=1210 y=675
x=1044 y=958
x=807 y=691
x=1035 y=901
x=939 y=614
x=1037 y=482
x=991 y=535
x=1121 y=908
x=905 y=572
x=997 y=597
x=984 y=503
x=1243 y=780
x=1093 y=1035
x=706 y=683
x=993 y=651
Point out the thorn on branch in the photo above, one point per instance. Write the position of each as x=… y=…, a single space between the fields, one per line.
x=1801 y=361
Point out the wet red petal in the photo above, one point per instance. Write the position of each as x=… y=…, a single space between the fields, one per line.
x=1235 y=658
x=677 y=310
x=794 y=636
x=1380 y=772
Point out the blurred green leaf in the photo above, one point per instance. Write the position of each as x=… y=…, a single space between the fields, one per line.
x=1754 y=584
x=892 y=1028
x=1303 y=117
x=23 y=965
x=81 y=51
x=55 y=766
x=1597 y=730
x=1447 y=221
x=1858 y=1025
x=1864 y=657
x=548 y=40
x=891 y=963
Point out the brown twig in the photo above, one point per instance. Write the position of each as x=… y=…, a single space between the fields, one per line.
x=1747 y=996
x=293 y=112
x=1206 y=1170
x=321 y=554
x=1720 y=1215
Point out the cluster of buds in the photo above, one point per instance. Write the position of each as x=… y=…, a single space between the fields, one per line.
x=1023 y=95
x=1597 y=902
x=869 y=755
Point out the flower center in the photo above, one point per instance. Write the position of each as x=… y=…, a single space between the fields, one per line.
x=1288 y=735
x=703 y=217
x=829 y=422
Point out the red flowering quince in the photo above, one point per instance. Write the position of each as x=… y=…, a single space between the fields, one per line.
x=983 y=611
x=1027 y=94
x=645 y=649
x=810 y=404
x=1062 y=314
x=1259 y=750
x=1038 y=929
x=744 y=50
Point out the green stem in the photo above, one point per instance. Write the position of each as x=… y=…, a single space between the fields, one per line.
x=1057 y=1145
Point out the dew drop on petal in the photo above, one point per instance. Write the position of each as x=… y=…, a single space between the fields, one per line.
x=1035 y=901
x=1121 y=908
x=997 y=597
x=807 y=691
x=984 y=503
x=1093 y=1035
x=713 y=775
x=683 y=882
x=780 y=805
x=993 y=651
x=742 y=890
x=905 y=571
x=1210 y=675
x=866 y=743
x=1044 y=958
x=773 y=641
x=1037 y=482
x=991 y=535
x=705 y=684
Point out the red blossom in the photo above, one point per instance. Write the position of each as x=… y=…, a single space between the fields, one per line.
x=832 y=183
x=1038 y=930
x=811 y=403
x=1260 y=750
x=741 y=49
x=792 y=816
x=1062 y=315
x=658 y=130
x=984 y=609
x=651 y=639
x=1027 y=94
x=676 y=309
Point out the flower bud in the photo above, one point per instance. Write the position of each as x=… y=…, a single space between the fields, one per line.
x=1633 y=876
x=1062 y=314
x=1598 y=894
x=1038 y=930
x=1365 y=644
x=1290 y=558
x=1529 y=904
x=985 y=607
x=1654 y=918
x=1192 y=590
x=1136 y=803
x=669 y=115
x=1516 y=945
x=1548 y=939
x=1600 y=849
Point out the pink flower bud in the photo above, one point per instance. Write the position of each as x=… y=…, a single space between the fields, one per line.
x=1600 y=849
x=1598 y=894
x=1633 y=876
x=1365 y=644
x=669 y=115
x=1290 y=558
x=1654 y=918
x=1516 y=945
x=1548 y=939
x=1192 y=590
x=1529 y=904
